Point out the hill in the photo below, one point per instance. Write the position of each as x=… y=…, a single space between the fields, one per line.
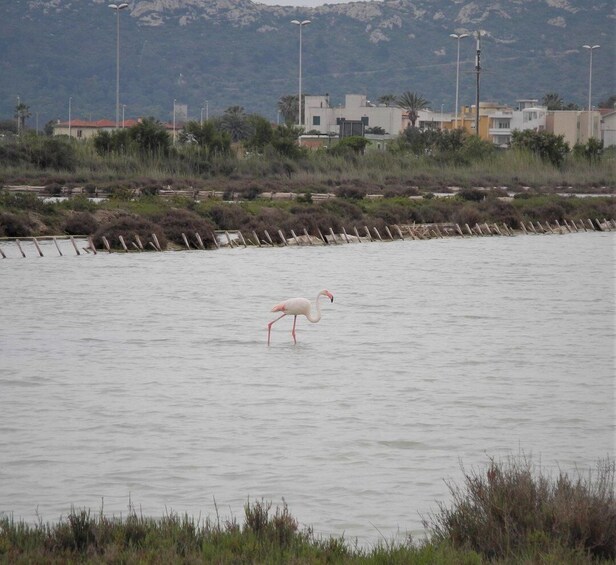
x=236 y=52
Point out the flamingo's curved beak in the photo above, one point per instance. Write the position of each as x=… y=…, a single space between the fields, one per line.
x=331 y=296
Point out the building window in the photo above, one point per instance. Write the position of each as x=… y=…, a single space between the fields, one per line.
x=365 y=121
x=316 y=120
x=79 y=133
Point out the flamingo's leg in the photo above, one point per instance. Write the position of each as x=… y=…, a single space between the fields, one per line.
x=293 y=330
x=269 y=327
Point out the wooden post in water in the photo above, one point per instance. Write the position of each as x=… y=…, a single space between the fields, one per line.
x=106 y=244
x=357 y=234
x=199 y=240
x=479 y=229
x=138 y=240
x=331 y=231
x=321 y=236
x=497 y=230
x=74 y=245
x=254 y=233
x=282 y=237
x=295 y=238
x=242 y=238
x=524 y=228
x=228 y=239
x=389 y=233
x=459 y=230
x=438 y=231
x=267 y=236
x=38 y=248
x=560 y=231
x=215 y=240
x=185 y=240
x=91 y=244
x=308 y=238
x=136 y=246
x=487 y=228
x=153 y=245
x=590 y=224
x=345 y=235
x=377 y=233
x=368 y=232
x=4 y=256
x=468 y=229
x=123 y=243
x=399 y=231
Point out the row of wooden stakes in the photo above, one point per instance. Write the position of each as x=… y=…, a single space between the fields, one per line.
x=415 y=232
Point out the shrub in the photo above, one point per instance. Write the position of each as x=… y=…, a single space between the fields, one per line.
x=175 y=222
x=511 y=509
x=80 y=223
x=12 y=225
x=53 y=189
x=128 y=227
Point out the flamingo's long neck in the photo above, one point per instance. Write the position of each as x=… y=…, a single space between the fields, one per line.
x=315 y=319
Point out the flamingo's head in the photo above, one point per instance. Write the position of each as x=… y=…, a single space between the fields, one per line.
x=328 y=294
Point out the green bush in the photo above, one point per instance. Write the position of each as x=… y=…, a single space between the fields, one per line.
x=128 y=227
x=12 y=225
x=80 y=223
x=175 y=222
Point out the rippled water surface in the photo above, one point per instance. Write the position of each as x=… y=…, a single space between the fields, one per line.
x=146 y=377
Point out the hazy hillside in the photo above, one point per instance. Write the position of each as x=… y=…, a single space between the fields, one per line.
x=237 y=52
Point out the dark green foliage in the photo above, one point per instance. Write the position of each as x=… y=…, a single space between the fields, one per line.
x=591 y=150
x=205 y=136
x=472 y=194
x=354 y=143
x=80 y=223
x=548 y=146
x=150 y=136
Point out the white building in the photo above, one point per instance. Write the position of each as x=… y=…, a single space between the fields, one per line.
x=608 y=129
x=528 y=116
x=324 y=118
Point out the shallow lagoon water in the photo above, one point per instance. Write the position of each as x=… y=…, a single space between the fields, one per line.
x=145 y=379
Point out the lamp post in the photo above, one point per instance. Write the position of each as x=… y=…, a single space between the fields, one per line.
x=299 y=100
x=123 y=110
x=117 y=8
x=458 y=37
x=18 y=116
x=70 y=100
x=590 y=124
x=174 y=121
x=442 y=106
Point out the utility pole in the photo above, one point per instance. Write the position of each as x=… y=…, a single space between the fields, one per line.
x=478 y=72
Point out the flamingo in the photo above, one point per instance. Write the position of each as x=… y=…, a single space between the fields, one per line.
x=298 y=307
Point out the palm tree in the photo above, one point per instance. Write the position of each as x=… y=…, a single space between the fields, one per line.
x=235 y=122
x=387 y=99
x=22 y=113
x=412 y=103
x=553 y=101
x=287 y=105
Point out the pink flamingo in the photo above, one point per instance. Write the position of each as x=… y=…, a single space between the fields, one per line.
x=297 y=307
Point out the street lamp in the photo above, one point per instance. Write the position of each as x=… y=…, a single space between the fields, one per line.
x=174 y=121
x=299 y=100
x=590 y=124
x=123 y=110
x=206 y=112
x=458 y=37
x=70 y=100
x=117 y=8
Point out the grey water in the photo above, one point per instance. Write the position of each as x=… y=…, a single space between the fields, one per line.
x=145 y=379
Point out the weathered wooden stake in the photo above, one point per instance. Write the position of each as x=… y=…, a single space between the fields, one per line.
x=468 y=229
x=136 y=246
x=138 y=239
x=321 y=236
x=487 y=228
x=282 y=237
x=399 y=231
x=4 y=256
x=345 y=235
x=199 y=240
x=91 y=244
x=106 y=244
x=267 y=236
x=368 y=232
x=151 y=243
x=254 y=233
x=497 y=230
x=242 y=238
x=377 y=233
x=524 y=228
x=598 y=225
x=438 y=231
x=389 y=233
x=590 y=225
x=38 y=248
x=75 y=245
x=228 y=239
x=123 y=243
x=459 y=230
x=331 y=231
x=308 y=238
x=295 y=238
x=479 y=229
x=357 y=234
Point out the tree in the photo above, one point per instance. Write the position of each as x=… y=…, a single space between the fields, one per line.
x=553 y=101
x=608 y=102
x=205 y=136
x=234 y=121
x=22 y=113
x=412 y=103
x=262 y=132
x=376 y=130
x=288 y=107
x=387 y=99
x=150 y=136
x=548 y=146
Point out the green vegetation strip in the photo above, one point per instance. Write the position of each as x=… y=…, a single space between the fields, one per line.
x=508 y=512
